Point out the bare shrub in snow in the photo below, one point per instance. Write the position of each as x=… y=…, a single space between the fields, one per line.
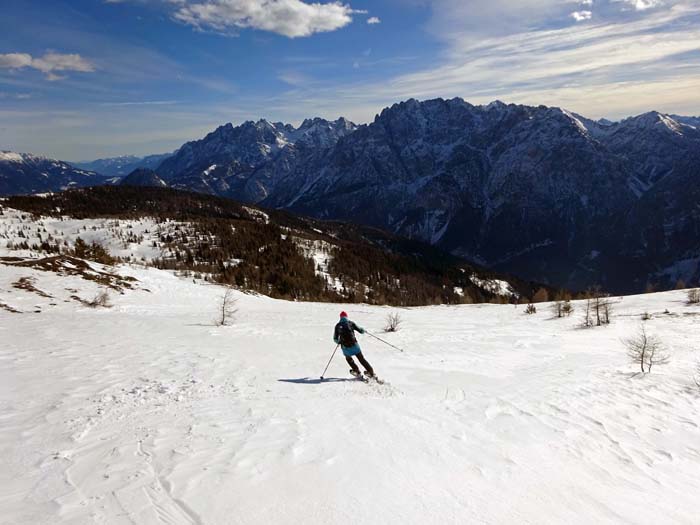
x=567 y=308
x=227 y=308
x=393 y=322
x=694 y=296
x=531 y=309
x=646 y=350
x=646 y=316
x=101 y=300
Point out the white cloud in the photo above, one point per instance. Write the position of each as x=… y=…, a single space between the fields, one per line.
x=47 y=64
x=374 y=20
x=580 y=16
x=642 y=5
x=15 y=60
x=291 y=18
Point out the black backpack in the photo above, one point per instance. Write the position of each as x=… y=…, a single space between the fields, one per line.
x=346 y=335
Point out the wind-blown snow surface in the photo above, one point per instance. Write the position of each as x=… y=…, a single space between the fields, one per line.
x=146 y=412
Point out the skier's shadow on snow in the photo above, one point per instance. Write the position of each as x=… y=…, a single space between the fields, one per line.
x=316 y=380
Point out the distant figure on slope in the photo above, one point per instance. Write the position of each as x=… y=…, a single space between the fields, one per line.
x=344 y=335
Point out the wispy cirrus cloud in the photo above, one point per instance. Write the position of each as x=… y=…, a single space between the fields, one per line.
x=48 y=64
x=612 y=67
x=15 y=96
x=290 y=18
x=141 y=103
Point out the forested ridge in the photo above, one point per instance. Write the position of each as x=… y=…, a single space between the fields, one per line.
x=271 y=252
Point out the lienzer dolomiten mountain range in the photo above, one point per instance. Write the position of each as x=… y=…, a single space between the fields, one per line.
x=539 y=192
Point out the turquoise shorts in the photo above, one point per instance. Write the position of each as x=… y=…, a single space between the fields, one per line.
x=351 y=351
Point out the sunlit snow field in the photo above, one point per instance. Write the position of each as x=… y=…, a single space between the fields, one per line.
x=147 y=412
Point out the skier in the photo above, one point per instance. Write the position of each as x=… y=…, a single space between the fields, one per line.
x=344 y=335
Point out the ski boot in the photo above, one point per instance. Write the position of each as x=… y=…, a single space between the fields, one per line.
x=357 y=375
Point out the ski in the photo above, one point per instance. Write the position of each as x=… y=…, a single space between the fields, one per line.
x=366 y=378
x=369 y=379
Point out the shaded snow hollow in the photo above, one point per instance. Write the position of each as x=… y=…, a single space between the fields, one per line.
x=146 y=412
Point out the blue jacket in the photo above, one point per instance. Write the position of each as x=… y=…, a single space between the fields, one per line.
x=353 y=349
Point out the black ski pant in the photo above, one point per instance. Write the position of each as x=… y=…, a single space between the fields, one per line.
x=363 y=362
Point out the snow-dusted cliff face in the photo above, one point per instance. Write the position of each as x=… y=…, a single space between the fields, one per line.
x=533 y=190
x=22 y=173
x=247 y=161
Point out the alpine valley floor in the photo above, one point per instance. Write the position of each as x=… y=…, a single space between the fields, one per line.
x=146 y=412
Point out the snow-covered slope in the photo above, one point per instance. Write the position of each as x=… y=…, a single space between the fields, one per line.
x=130 y=240
x=23 y=173
x=146 y=412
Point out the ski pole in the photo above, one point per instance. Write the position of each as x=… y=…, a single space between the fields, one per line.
x=329 y=361
x=383 y=341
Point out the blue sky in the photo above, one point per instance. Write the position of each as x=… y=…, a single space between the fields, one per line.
x=82 y=79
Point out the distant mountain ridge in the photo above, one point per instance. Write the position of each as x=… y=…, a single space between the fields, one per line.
x=247 y=162
x=123 y=165
x=535 y=191
x=24 y=173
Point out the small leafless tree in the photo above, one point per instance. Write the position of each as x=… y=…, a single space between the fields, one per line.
x=558 y=309
x=227 y=308
x=587 y=313
x=393 y=322
x=694 y=296
x=531 y=309
x=562 y=308
x=599 y=308
x=605 y=308
x=645 y=350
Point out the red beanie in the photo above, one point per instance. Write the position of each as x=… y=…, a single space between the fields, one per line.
x=343 y=314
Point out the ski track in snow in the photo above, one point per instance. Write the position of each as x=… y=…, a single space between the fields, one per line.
x=148 y=413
